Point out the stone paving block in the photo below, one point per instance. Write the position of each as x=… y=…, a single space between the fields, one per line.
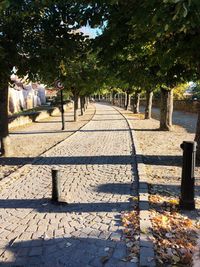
x=59 y=232
x=104 y=235
x=35 y=251
x=115 y=263
x=143 y=186
x=143 y=205
x=35 y=261
x=144 y=196
x=23 y=252
x=116 y=236
x=120 y=253
x=96 y=262
x=147 y=257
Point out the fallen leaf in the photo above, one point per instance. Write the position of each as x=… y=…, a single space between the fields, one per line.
x=68 y=244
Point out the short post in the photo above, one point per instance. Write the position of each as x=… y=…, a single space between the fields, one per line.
x=187 y=183
x=56 y=191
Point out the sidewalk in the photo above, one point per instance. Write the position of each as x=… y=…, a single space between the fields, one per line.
x=98 y=176
x=100 y=225
x=175 y=232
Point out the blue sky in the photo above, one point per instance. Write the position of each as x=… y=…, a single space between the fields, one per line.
x=91 y=32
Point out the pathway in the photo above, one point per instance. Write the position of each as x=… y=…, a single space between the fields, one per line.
x=185 y=119
x=98 y=175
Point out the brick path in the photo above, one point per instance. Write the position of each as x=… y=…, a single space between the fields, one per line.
x=98 y=176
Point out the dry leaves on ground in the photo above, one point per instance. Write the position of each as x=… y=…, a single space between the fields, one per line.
x=130 y=221
x=174 y=235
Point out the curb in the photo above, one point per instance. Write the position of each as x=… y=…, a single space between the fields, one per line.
x=147 y=255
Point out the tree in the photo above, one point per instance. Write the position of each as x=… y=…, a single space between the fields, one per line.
x=11 y=38
x=170 y=26
x=80 y=74
x=45 y=35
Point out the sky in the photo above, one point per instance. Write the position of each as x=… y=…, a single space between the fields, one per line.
x=87 y=30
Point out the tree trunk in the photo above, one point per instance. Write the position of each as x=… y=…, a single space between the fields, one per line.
x=136 y=103
x=166 y=109
x=75 y=107
x=82 y=105
x=127 y=101
x=121 y=100
x=86 y=102
x=113 y=98
x=5 y=148
x=148 y=108
x=110 y=98
x=197 y=135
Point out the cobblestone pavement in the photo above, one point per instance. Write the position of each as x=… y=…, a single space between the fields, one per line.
x=33 y=139
x=97 y=177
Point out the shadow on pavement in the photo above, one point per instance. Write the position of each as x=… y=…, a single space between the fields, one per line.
x=80 y=160
x=45 y=205
x=52 y=121
x=170 y=189
x=108 y=114
x=68 y=131
x=108 y=119
x=105 y=130
x=66 y=252
x=147 y=130
x=115 y=188
x=42 y=132
x=163 y=160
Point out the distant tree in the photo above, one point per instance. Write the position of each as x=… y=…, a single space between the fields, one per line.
x=180 y=90
x=80 y=73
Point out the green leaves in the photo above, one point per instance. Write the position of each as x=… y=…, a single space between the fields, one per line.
x=5 y=4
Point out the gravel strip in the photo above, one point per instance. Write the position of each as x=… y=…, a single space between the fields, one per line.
x=162 y=157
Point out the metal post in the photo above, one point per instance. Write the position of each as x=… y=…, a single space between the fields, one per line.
x=56 y=191
x=187 y=183
x=62 y=110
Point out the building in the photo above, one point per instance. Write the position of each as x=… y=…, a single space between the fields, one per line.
x=24 y=95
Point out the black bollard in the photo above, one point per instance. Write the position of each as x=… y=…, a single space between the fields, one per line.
x=187 y=183
x=56 y=191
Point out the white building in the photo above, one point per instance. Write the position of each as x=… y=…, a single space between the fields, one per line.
x=25 y=96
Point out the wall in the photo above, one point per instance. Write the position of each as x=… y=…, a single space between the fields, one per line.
x=181 y=105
